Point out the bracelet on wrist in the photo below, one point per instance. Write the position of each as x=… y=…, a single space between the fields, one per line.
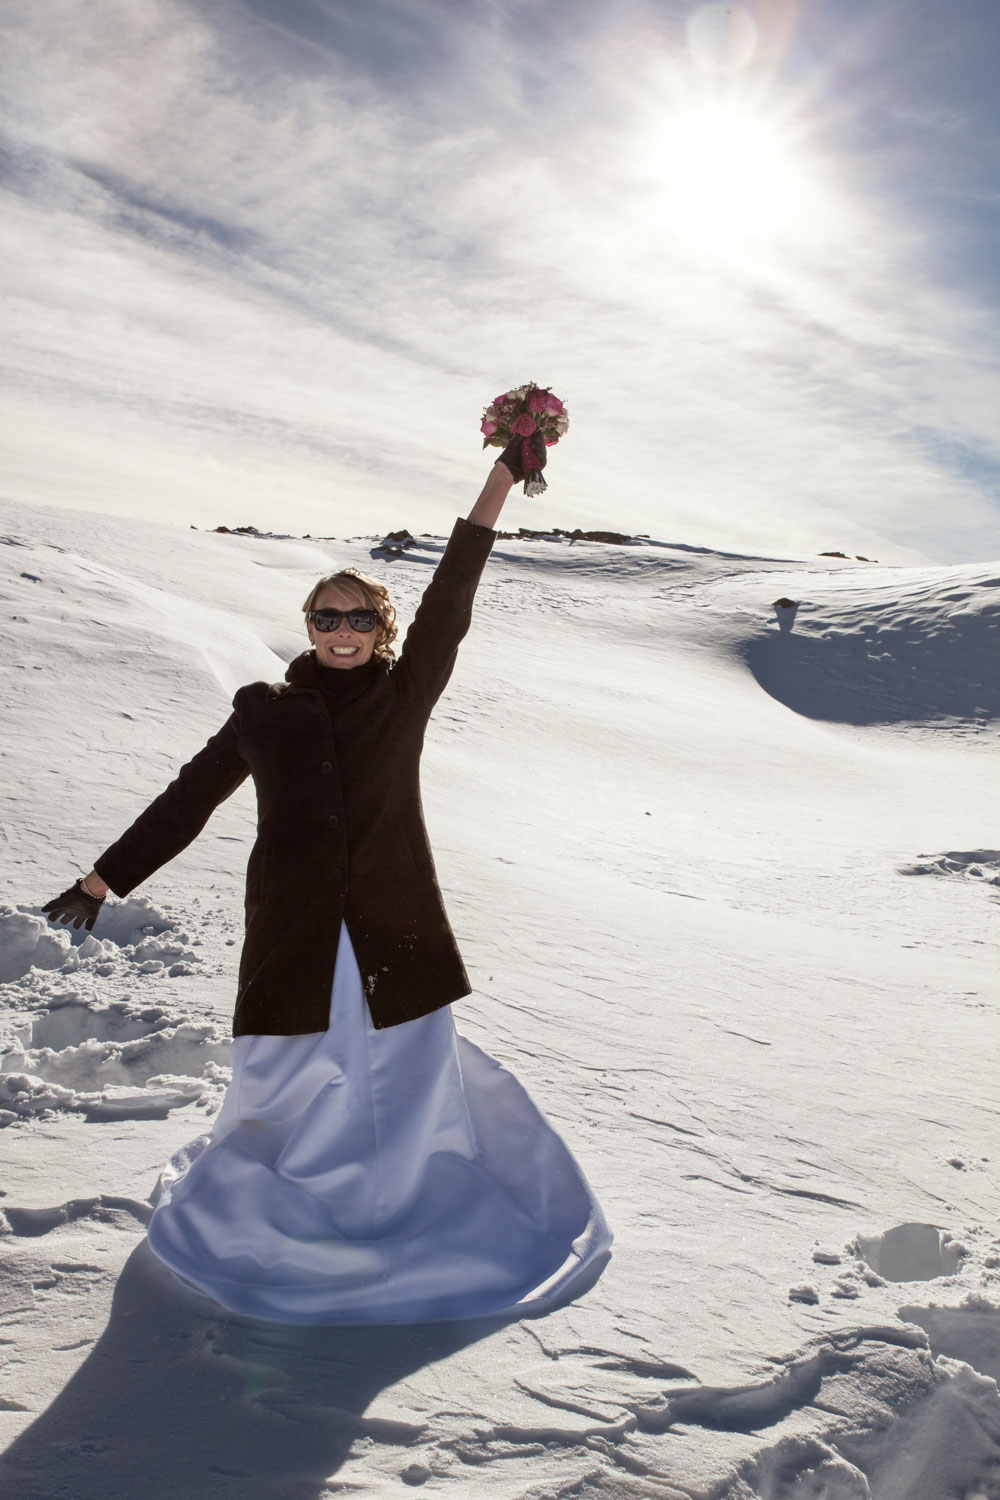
x=85 y=888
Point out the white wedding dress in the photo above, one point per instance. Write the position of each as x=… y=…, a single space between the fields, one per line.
x=364 y=1176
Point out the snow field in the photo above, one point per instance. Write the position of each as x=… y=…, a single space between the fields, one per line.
x=689 y=911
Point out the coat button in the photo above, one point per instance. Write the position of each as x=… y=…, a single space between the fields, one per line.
x=333 y=820
x=327 y=768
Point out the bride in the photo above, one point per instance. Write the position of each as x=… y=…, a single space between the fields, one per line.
x=368 y=1165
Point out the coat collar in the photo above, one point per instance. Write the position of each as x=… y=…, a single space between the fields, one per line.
x=305 y=675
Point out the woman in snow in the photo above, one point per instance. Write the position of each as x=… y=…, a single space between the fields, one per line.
x=367 y=1164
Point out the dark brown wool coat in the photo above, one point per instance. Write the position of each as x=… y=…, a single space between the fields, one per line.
x=335 y=757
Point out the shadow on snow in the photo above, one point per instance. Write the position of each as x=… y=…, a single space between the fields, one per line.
x=178 y=1399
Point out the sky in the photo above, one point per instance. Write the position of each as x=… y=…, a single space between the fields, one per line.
x=265 y=262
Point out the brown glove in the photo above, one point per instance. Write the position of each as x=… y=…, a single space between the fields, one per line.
x=74 y=905
x=518 y=462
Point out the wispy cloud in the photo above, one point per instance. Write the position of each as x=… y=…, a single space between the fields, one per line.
x=273 y=258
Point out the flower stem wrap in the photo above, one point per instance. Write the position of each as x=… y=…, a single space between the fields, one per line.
x=534 y=483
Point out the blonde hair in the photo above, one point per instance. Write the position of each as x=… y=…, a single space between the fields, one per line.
x=370 y=594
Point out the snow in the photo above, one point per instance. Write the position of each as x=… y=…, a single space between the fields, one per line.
x=68 y=1048
x=678 y=828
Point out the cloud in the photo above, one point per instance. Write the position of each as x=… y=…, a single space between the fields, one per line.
x=268 y=254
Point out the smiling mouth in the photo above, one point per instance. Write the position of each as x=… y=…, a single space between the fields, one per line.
x=343 y=650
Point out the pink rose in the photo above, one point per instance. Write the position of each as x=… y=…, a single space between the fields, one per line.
x=488 y=428
x=552 y=404
x=499 y=400
x=537 y=400
x=523 y=425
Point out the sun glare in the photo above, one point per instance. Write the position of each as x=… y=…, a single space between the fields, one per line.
x=728 y=175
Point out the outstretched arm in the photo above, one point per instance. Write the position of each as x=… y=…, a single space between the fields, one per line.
x=445 y=611
x=177 y=815
x=165 y=828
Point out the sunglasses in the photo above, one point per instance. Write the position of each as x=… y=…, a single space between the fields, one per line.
x=361 y=620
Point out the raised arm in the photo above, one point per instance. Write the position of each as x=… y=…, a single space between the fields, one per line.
x=499 y=483
x=445 y=612
x=505 y=473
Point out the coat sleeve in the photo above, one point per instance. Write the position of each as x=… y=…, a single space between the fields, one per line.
x=445 y=612
x=178 y=814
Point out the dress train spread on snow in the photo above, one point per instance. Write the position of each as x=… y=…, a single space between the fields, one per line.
x=364 y=1176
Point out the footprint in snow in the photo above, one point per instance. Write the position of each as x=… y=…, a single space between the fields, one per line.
x=906 y=1252
x=911 y=1252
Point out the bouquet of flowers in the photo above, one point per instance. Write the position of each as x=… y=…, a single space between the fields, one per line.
x=521 y=413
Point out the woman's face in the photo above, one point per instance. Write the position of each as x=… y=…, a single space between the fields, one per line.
x=342 y=648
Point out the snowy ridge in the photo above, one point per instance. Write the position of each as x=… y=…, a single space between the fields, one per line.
x=689 y=912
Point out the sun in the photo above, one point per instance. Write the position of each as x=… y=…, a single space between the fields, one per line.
x=727 y=174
